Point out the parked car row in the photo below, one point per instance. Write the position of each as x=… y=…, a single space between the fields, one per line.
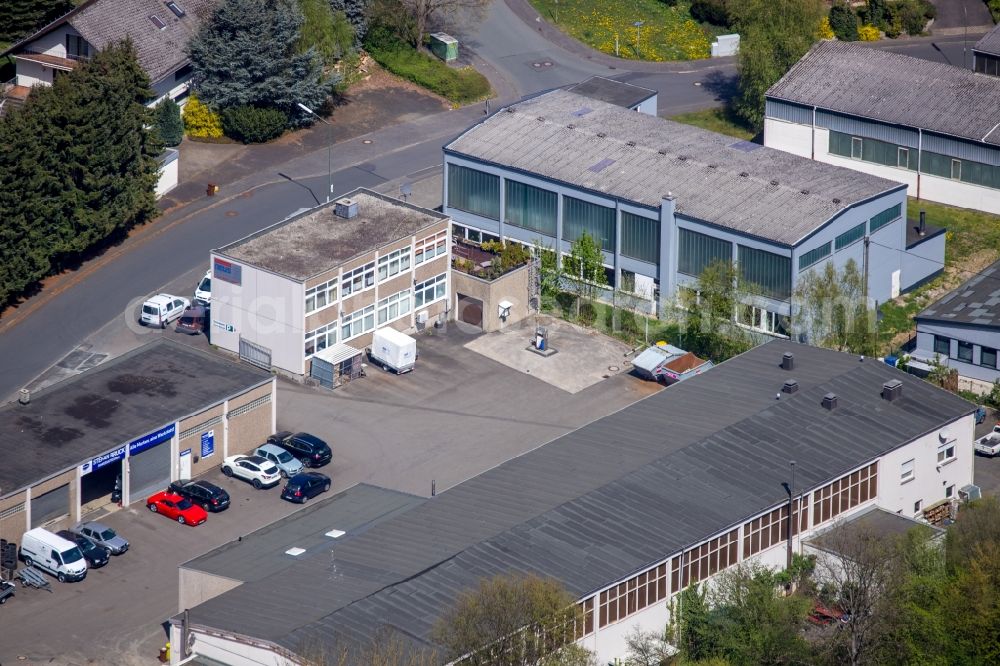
x=68 y=554
x=191 y=316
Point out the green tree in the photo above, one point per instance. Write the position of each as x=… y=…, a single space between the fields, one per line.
x=843 y=21
x=876 y=13
x=585 y=266
x=326 y=31
x=168 y=122
x=83 y=163
x=508 y=621
x=357 y=13
x=19 y=18
x=830 y=309
x=695 y=634
x=706 y=309
x=246 y=55
x=774 y=35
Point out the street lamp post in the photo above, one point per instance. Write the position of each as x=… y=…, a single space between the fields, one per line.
x=637 y=24
x=329 y=148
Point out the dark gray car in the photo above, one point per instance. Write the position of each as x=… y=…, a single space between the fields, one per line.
x=103 y=535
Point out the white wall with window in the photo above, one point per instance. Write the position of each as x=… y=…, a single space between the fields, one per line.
x=357 y=323
x=393 y=263
x=430 y=247
x=320 y=339
x=321 y=296
x=431 y=290
x=393 y=307
x=972 y=350
x=358 y=279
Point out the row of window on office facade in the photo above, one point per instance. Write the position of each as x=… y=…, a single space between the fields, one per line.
x=707 y=559
x=536 y=209
x=385 y=311
x=965 y=352
x=904 y=157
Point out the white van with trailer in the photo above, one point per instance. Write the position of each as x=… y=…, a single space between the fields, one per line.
x=393 y=350
x=52 y=553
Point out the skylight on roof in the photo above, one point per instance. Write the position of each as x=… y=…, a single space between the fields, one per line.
x=176 y=9
x=335 y=534
x=157 y=22
x=602 y=165
x=745 y=146
x=295 y=552
x=582 y=111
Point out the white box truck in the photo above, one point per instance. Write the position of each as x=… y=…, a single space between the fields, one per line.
x=47 y=551
x=394 y=350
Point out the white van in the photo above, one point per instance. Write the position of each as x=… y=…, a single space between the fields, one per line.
x=162 y=309
x=52 y=553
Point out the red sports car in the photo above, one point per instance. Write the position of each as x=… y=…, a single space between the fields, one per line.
x=176 y=508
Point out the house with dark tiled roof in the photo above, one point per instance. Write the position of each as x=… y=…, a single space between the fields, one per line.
x=160 y=30
x=962 y=329
x=933 y=126
x=986 y=53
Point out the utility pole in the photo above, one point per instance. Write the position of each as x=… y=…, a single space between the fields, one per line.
x=329 y=148
x=791 y=512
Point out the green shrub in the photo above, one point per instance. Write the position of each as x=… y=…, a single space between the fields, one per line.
x=588 y=314
x=168 y=122
x=253 y=124
x=868 y=33
x=910 y=16
x=994 y=6
x=715 y=12
x=459 y=86
x=844 y=21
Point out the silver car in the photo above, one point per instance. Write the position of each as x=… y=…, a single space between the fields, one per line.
x=103 y=535
x=286 y=463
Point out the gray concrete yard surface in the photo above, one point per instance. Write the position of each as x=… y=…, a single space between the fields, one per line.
x=456 y=415
x=582 y=358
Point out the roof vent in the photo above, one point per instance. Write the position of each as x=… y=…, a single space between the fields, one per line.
x=682 y=158
x=830 y=401
x=571 y=126
x=25 y=397
x=540 y=119
x=630 y=144
x=805 y=191
x=335 y=534
x=511 y=109
x=788 y=361
x=744 y=174
x=713 y=166
x=774 y=183
x=295 y=551
x=346 y=208
x=892 y=390
x=601 y=134
x=836 y=201
x=790 y=386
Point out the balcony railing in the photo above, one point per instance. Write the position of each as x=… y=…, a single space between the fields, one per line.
x=69 y=56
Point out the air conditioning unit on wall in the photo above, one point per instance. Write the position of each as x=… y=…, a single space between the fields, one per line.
x=422 y=317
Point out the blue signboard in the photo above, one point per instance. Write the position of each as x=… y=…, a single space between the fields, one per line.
x=133 y=447
x=207 y=443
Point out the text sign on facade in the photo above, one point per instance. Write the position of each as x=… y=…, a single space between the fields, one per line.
x=227 y=271
x=207 y=443
x=135 y=446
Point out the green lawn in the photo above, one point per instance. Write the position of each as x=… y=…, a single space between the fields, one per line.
x=669 y=33
x=719 y=120
x=459 y=86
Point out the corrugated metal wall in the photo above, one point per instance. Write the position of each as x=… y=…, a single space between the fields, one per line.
x=867 y=128
x=794 y=113
x=965 y=150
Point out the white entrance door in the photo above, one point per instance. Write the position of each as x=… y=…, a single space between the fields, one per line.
x=184 y=465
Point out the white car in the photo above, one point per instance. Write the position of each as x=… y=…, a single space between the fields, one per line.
x=989 y=445
x=162 y=309
x=203 y=292
x=262 y=473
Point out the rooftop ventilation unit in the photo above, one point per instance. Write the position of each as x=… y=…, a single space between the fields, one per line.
x=805 y=191
x=335 y=534
x=682 y=158
x=540 y=119
x=744 y=174
x=790 y=386
x=788 y=361
x=571 y=126
x=836 y=201
x=631 y=144
x=295 y=552
x=601 y=134
x=346 y=208
x=892 y=390
x=25 y=397
x=774 y=183
x=830 y=401
x=661 y=151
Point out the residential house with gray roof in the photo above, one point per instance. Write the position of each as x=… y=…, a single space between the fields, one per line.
x=664 y=200
x=986 y=53
x=929 y=125
x=624 y=512
x=962 y=329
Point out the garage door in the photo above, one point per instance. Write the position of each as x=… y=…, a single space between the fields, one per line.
x=53 y=504
x=149 y=471
x=470 y=310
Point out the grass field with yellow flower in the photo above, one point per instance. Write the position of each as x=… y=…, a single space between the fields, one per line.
x=667 y=33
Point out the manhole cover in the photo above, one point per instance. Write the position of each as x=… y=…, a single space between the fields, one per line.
x=367 y=142
x=542 y=63
x=231 y=213
x=613 y=368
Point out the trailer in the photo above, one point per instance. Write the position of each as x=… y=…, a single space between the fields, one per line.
x=393 y=350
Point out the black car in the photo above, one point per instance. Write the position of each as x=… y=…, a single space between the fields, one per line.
x=303 y=486
x=207 y=495
x=96 y=556
x=311 y=450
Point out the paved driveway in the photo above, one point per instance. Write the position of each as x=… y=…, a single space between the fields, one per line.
x=455 y=416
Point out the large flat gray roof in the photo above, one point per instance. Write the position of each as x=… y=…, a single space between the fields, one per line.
x=610 y=150
x=872 y=83
x=976 y=302
x=990 y=42
x=111 y=404
x=261 y=554
x=318 y=240
x=603 y=502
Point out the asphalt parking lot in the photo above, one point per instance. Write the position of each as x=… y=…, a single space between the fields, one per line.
x=458 y=414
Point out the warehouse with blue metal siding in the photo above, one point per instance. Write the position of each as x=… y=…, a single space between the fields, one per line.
x=665 y=200
x=929 y=125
